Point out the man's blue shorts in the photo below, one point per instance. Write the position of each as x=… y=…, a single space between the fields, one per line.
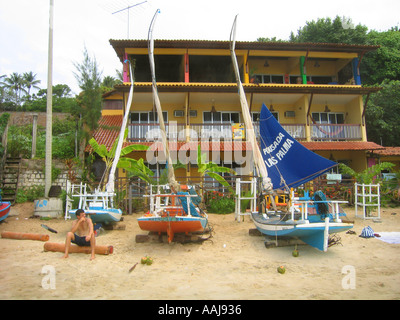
x=81 y=241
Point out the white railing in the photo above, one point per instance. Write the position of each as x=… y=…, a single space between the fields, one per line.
x=367 y=196
x=335 y=132
x=223 y=131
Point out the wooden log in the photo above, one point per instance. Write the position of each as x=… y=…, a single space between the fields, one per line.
x=60 y=247
x=24 y=236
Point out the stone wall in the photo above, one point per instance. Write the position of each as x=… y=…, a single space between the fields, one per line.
x=26 y=118
x=32 y=173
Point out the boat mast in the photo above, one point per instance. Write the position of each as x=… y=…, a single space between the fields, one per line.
x=111 y=178
x=171 y=174
x=251 y=137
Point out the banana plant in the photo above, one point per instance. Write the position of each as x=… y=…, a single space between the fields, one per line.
x=212 y=169
x=137 y=168
x=108 y=156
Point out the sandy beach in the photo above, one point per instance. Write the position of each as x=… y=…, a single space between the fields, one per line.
x=231 y=265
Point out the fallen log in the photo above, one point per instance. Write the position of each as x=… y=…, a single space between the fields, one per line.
x=24 y=236
x=60 y=247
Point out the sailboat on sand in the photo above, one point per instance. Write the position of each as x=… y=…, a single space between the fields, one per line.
x=99 y=205
x=283 y=163
x=179 y=214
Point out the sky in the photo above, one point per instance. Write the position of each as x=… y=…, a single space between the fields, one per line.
x=24 y=27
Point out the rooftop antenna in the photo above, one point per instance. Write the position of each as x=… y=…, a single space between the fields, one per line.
x=127 y=8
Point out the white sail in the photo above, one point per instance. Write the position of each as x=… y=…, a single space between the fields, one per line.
x=251 y=137
x=171 y=175
x=111 y=178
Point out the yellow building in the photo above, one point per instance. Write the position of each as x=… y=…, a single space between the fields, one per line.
x=314 y=90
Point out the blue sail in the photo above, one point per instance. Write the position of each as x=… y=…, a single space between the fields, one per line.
x=288 y=162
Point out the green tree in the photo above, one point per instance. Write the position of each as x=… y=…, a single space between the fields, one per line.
x=325 y=30
x=62 y=91
x=30 y=82
x=383 y=63
x=15 y=82
x=110 y=82
x=383 y=114
x=88 y=109
x=88 y=76
x=369 y=175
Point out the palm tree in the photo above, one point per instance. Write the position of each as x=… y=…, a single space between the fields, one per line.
x=30 y=81
x=109 y=82
x=16 y=83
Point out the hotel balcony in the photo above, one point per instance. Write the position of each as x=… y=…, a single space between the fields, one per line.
x=176 y=132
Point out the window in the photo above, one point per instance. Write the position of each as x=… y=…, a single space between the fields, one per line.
x=255 y=116
x=221 y=117
x=218 y=125
x=144 y=127
x=269 y=78
x=328 y=117
x=327 y=126
x=147 y=117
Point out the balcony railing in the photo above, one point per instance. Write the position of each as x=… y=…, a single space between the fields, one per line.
x=140 y=132
x=297 y=131
x=335 y=132
x=221 y=131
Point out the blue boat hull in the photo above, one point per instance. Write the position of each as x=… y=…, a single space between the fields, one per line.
x=99 y=215
x=312 y=233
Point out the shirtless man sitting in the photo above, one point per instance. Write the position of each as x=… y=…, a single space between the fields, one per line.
x=81 y=233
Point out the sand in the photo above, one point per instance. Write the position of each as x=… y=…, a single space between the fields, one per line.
x=231 y=265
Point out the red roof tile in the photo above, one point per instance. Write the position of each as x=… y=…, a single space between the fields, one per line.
x=389 y=151
x=108 y=131
x=342 y=145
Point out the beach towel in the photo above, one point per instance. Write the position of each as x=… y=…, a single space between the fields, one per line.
x=389 y=237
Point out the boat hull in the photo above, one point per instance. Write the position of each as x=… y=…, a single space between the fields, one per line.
x=98 y=215
x=311 y=233
x=4 y=210
x=172 y=225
